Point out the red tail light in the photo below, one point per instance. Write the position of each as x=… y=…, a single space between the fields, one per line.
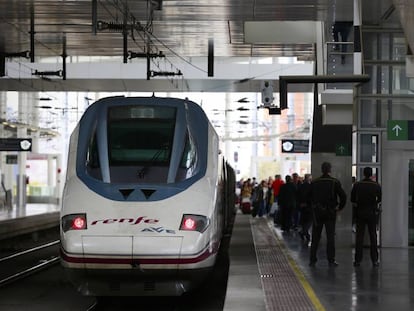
x=191 y=222
x=74 y=222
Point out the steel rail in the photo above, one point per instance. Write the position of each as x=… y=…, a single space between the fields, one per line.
x=34 y=249
x=22 y=274
x=36 y=268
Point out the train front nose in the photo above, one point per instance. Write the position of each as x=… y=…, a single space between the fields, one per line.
x=143 y=251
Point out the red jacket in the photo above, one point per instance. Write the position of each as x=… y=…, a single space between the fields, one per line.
x=276 y=186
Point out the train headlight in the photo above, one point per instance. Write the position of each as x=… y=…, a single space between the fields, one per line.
x=74 y=222
x=191 y=222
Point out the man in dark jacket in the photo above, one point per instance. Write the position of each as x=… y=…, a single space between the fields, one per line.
x=305 y=207
x=366 y=195
x=287 y=203
x=324 y=194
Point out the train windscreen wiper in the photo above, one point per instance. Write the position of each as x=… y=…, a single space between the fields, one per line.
x=144 y=170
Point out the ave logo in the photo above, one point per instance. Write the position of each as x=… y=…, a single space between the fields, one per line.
x=158 y=230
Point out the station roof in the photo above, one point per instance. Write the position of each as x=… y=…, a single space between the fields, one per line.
x=177 y=30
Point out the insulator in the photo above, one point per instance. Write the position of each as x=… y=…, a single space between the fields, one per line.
x=112 y=26
x=166 y=73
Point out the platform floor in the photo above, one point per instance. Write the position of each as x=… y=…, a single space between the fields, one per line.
x=269 y=271
x=28 y=219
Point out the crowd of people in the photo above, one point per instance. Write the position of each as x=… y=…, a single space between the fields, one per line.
x=285 y=200
x=307 y=205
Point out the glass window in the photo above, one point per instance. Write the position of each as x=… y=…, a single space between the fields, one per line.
x=369 y=148
x=140 y=141
x=384 y=46
x=142 y=135
x=92 y=158
x=374 y=113
x=188 y=161
x=369 y=113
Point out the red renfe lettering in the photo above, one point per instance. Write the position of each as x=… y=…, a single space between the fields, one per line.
x=132 y=221
x=110 y=221
x=151 y=221
x=126 y=219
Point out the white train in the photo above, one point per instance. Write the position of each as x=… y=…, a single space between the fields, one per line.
x=147 y=198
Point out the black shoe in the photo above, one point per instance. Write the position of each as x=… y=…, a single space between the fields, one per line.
x=333 y=264
x=356 y=264
x=375 y=264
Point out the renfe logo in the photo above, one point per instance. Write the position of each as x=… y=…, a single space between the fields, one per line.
x=132 y=221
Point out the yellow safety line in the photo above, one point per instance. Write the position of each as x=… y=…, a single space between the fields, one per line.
x=299 y=274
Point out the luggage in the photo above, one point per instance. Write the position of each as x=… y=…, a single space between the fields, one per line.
x=273 y=209
x=246 y=206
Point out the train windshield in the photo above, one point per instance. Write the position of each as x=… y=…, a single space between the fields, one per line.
x=139 y=144
x=136 y=139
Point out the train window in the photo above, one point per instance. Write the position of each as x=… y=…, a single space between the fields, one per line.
x=140 y=141
x=188 y=160
x=92 y=158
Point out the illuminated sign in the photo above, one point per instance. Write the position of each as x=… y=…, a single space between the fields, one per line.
x=295 y=146
x=15 y=144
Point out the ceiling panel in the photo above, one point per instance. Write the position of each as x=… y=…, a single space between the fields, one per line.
x=182 y=26
x=179 y=28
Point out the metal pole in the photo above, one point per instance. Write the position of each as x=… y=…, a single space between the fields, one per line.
x=285 y=80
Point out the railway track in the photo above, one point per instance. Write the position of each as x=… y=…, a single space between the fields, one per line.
x=22 y=264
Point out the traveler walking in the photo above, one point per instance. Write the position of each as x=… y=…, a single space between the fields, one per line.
x=324 y=194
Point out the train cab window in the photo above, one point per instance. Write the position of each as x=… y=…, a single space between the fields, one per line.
x=188 y=160
x=140 y=140
x=92 y=158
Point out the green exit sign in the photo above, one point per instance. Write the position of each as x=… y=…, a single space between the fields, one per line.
x=400 y=130
x=342 y=149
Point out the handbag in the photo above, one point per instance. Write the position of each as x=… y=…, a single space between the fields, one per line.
x=274 y=208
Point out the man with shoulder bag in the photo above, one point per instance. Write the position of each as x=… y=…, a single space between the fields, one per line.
x=324 y=194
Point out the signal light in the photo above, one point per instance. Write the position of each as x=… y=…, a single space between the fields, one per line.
x=191 y=222
x=74 y=222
